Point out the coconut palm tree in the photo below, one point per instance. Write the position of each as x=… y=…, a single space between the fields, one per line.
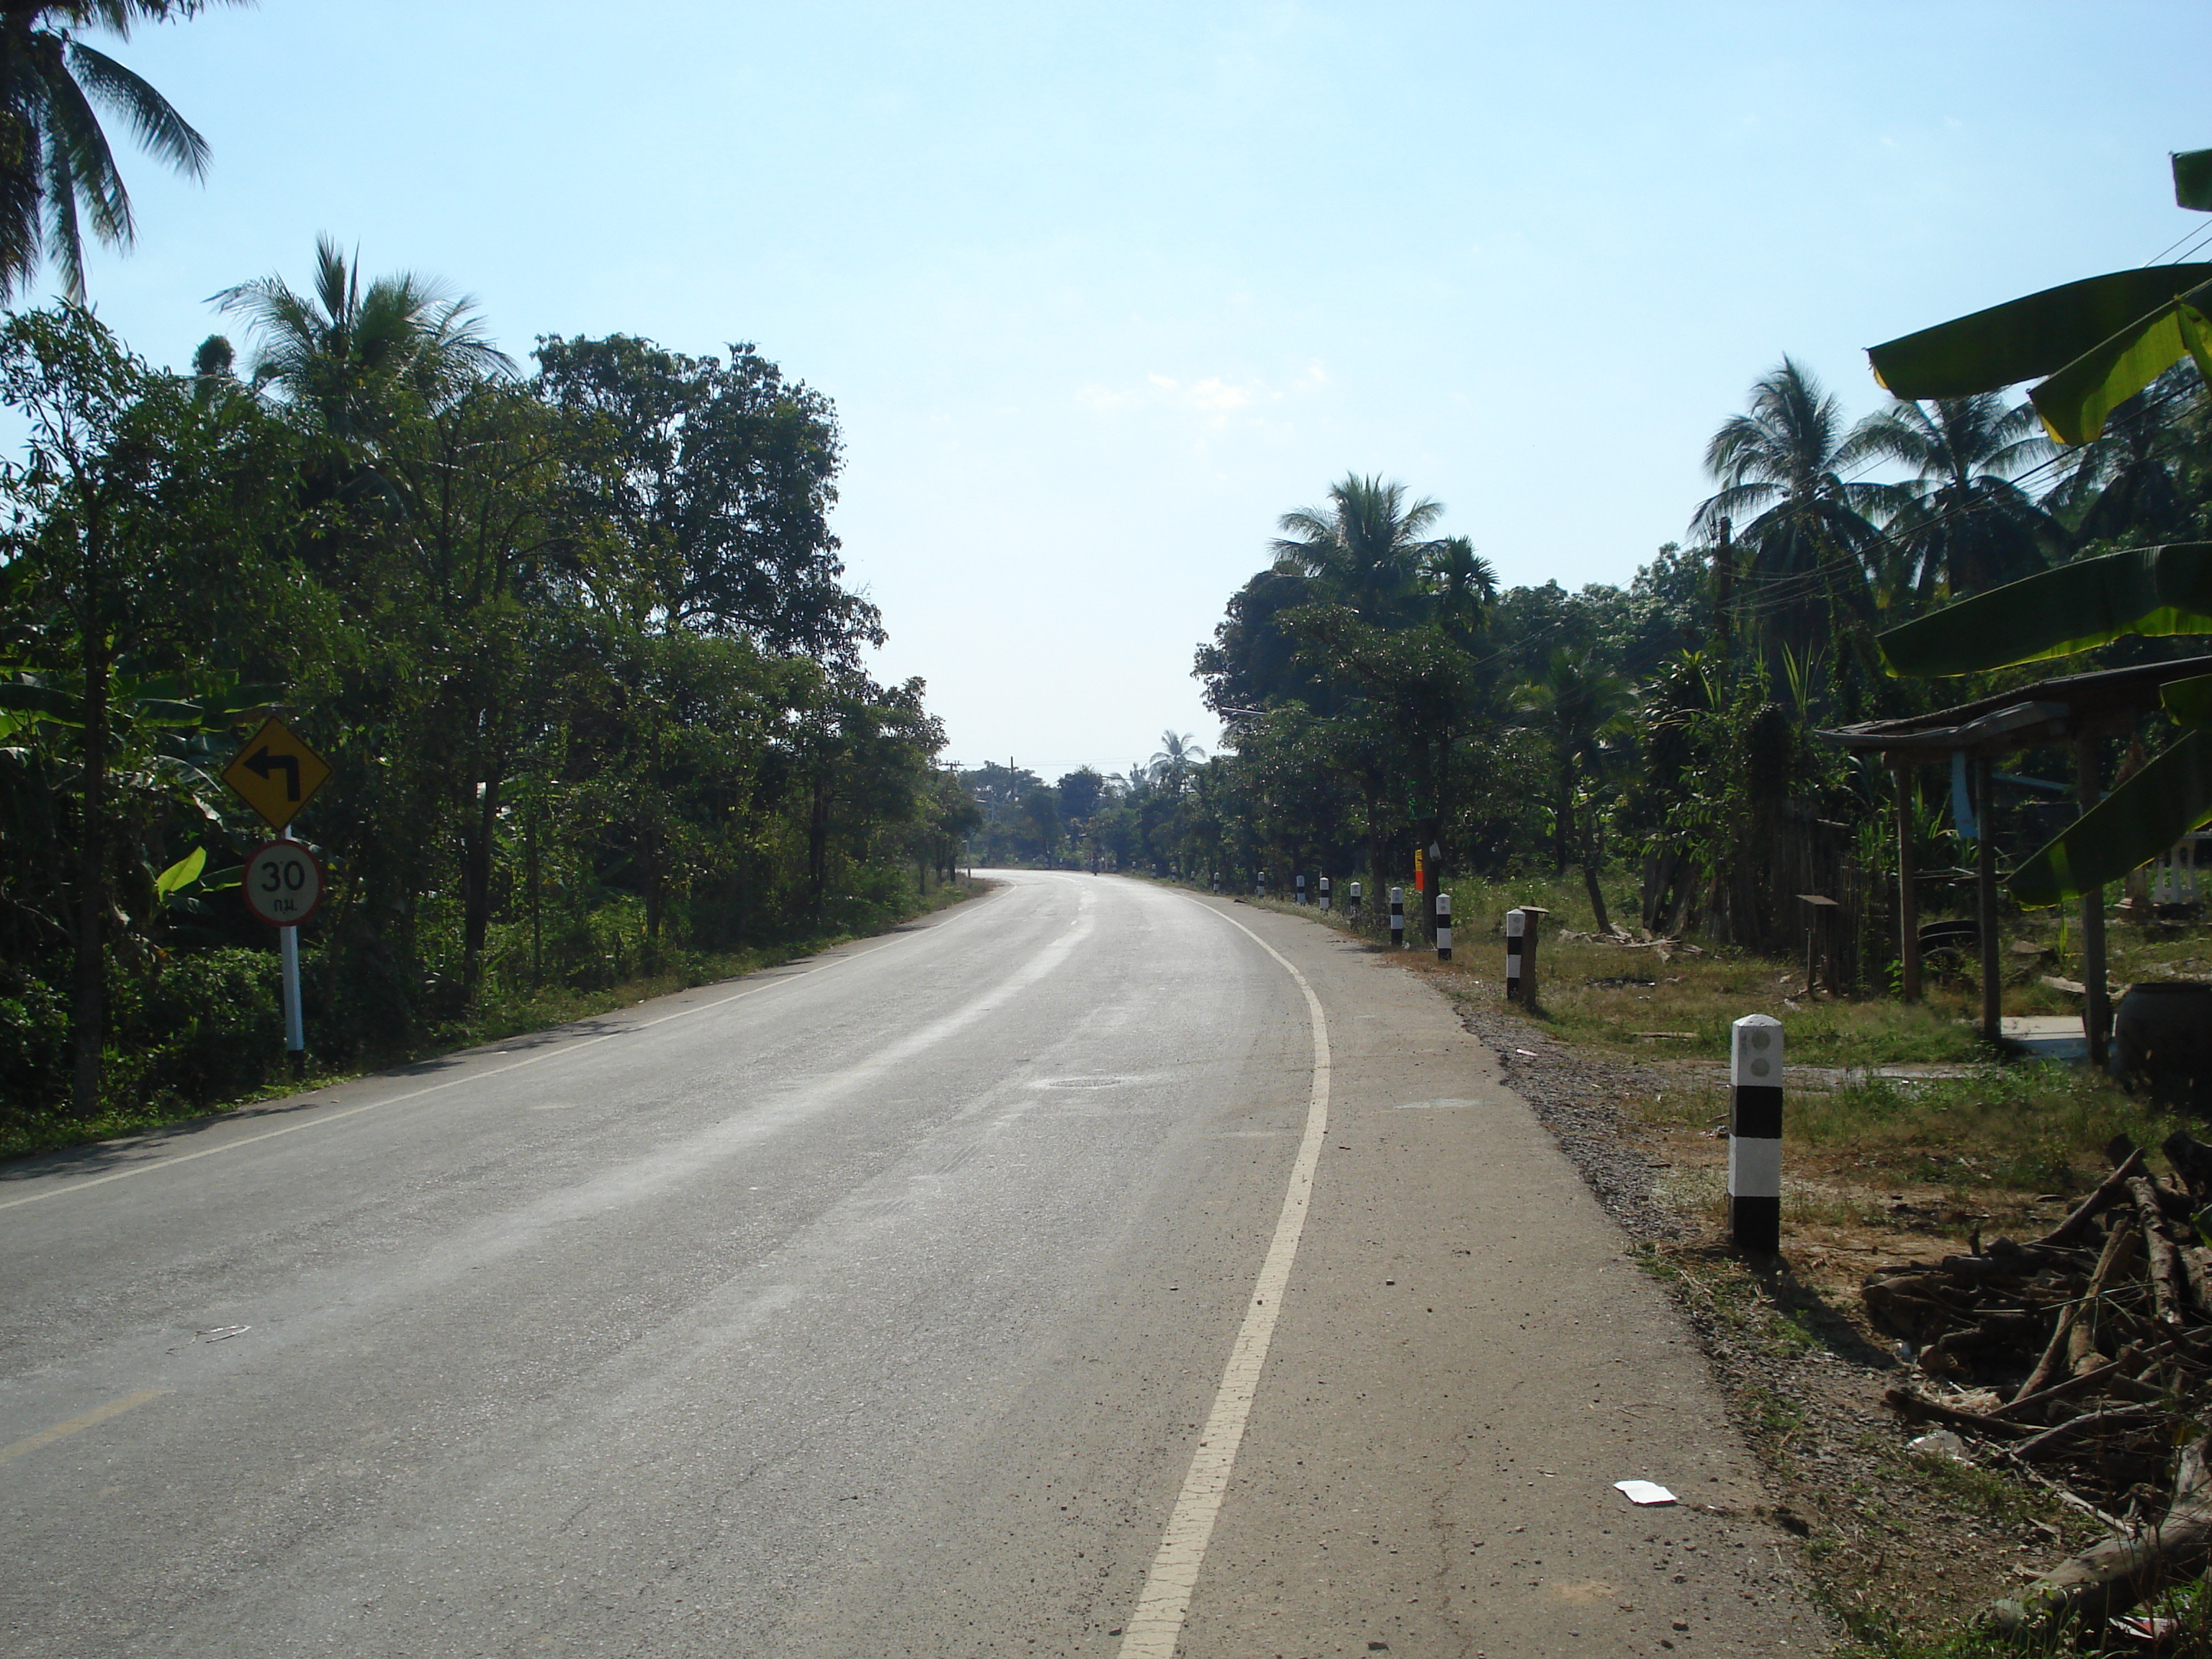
x=351 y=358
x=1808 y=531
x=1962 y=525
x=56 y=171
x=1366 y=546
x=1462 y=584
x=2126 y=478
x=1172 y=766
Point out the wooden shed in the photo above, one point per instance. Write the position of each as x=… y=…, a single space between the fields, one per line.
x=2073 y=712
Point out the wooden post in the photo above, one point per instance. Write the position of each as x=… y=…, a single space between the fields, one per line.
x=1985 y=907
x=2096 y=1000
x=1820 y=941
x=1908 y=888
x=1534 y=917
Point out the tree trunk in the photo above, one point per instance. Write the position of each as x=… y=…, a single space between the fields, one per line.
x=1563 y=820
x=817 y=846
x=1592 y=853
x=1596 y=895
x=475 y=888
x=88 y=1009
x=537 y=929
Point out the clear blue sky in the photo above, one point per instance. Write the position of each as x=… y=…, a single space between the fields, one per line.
x=1099 y=291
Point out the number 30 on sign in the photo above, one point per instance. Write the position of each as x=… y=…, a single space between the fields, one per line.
x=284 y=883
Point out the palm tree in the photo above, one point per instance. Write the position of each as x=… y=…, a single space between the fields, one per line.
x=1963 y=524
x=56 y=168
x=1462 y=584
x=343 y=350
x=1581 y=708
x=1367 y=545
x=2124 y=479
x=1171 y=767
x=351 y=358
x=1780 y=467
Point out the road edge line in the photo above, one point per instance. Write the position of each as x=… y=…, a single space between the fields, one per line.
x=1155 y=1628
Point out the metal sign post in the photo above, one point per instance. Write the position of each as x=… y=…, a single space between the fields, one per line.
x=277 y=774
x=296 y=1022
x=283 y=885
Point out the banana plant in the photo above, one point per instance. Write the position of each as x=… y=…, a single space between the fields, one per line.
x=2092 y=344
x=2154 y=591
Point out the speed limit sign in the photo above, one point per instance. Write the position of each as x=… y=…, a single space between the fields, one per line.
x=284 y=883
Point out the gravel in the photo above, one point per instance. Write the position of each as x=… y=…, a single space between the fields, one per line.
x=1572 y=1095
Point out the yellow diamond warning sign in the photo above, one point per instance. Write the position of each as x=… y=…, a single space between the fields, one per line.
x=275 y=773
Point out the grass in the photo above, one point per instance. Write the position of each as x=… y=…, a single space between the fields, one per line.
x=24 y=1133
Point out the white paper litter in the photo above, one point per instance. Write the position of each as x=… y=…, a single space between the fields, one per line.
x=1644 y=1491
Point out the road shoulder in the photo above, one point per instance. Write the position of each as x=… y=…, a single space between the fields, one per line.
x=1469 y=1358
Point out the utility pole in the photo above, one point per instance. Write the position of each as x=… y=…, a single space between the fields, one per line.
x=1724 y=596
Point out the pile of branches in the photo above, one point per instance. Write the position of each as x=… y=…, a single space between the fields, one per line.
x=2084 y=1360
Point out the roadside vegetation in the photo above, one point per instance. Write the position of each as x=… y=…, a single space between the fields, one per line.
x=573 y=635
x=574 y=642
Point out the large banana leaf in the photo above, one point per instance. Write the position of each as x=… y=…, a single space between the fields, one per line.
x=2189 y=701
x=2075 y=401
x=2148 y=590
x=2134 y=824
x=2192 y=180
x=2027 y=339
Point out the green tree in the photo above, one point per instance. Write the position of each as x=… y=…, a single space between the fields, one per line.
x=1366 y=546
x=56 y=168
x=140 y=521
x=354 y=364
x=1582 y=709
x=1807 y=529
x=719 y=479
x=1962 y=525
x=1173 y=761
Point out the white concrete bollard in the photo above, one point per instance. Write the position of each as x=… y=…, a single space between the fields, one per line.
x=1755 y=1133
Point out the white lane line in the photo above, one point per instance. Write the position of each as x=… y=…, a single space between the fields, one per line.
x=1156 y=1626
x=431 y=1089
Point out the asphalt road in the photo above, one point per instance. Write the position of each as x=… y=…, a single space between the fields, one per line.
x=876 y=1305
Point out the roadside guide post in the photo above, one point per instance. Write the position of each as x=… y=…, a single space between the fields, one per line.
x=1755 y=1133
x=1444 y=927
x=1398 y=917
x=1516 y=935
x=1355 y=901
x=1324 y=893
x=1260 y=883
x=1217 y=882
x=277 y=774
x=1302 y=887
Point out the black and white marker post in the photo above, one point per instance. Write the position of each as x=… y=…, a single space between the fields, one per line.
x=1302 y=887
x=1444 y=927
x=1260 y=883
x=1755 y=1133
x=1324 y=895
x=1355 y=901
x=1516 y=936
x=1398 y=917
x=1217 y=881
